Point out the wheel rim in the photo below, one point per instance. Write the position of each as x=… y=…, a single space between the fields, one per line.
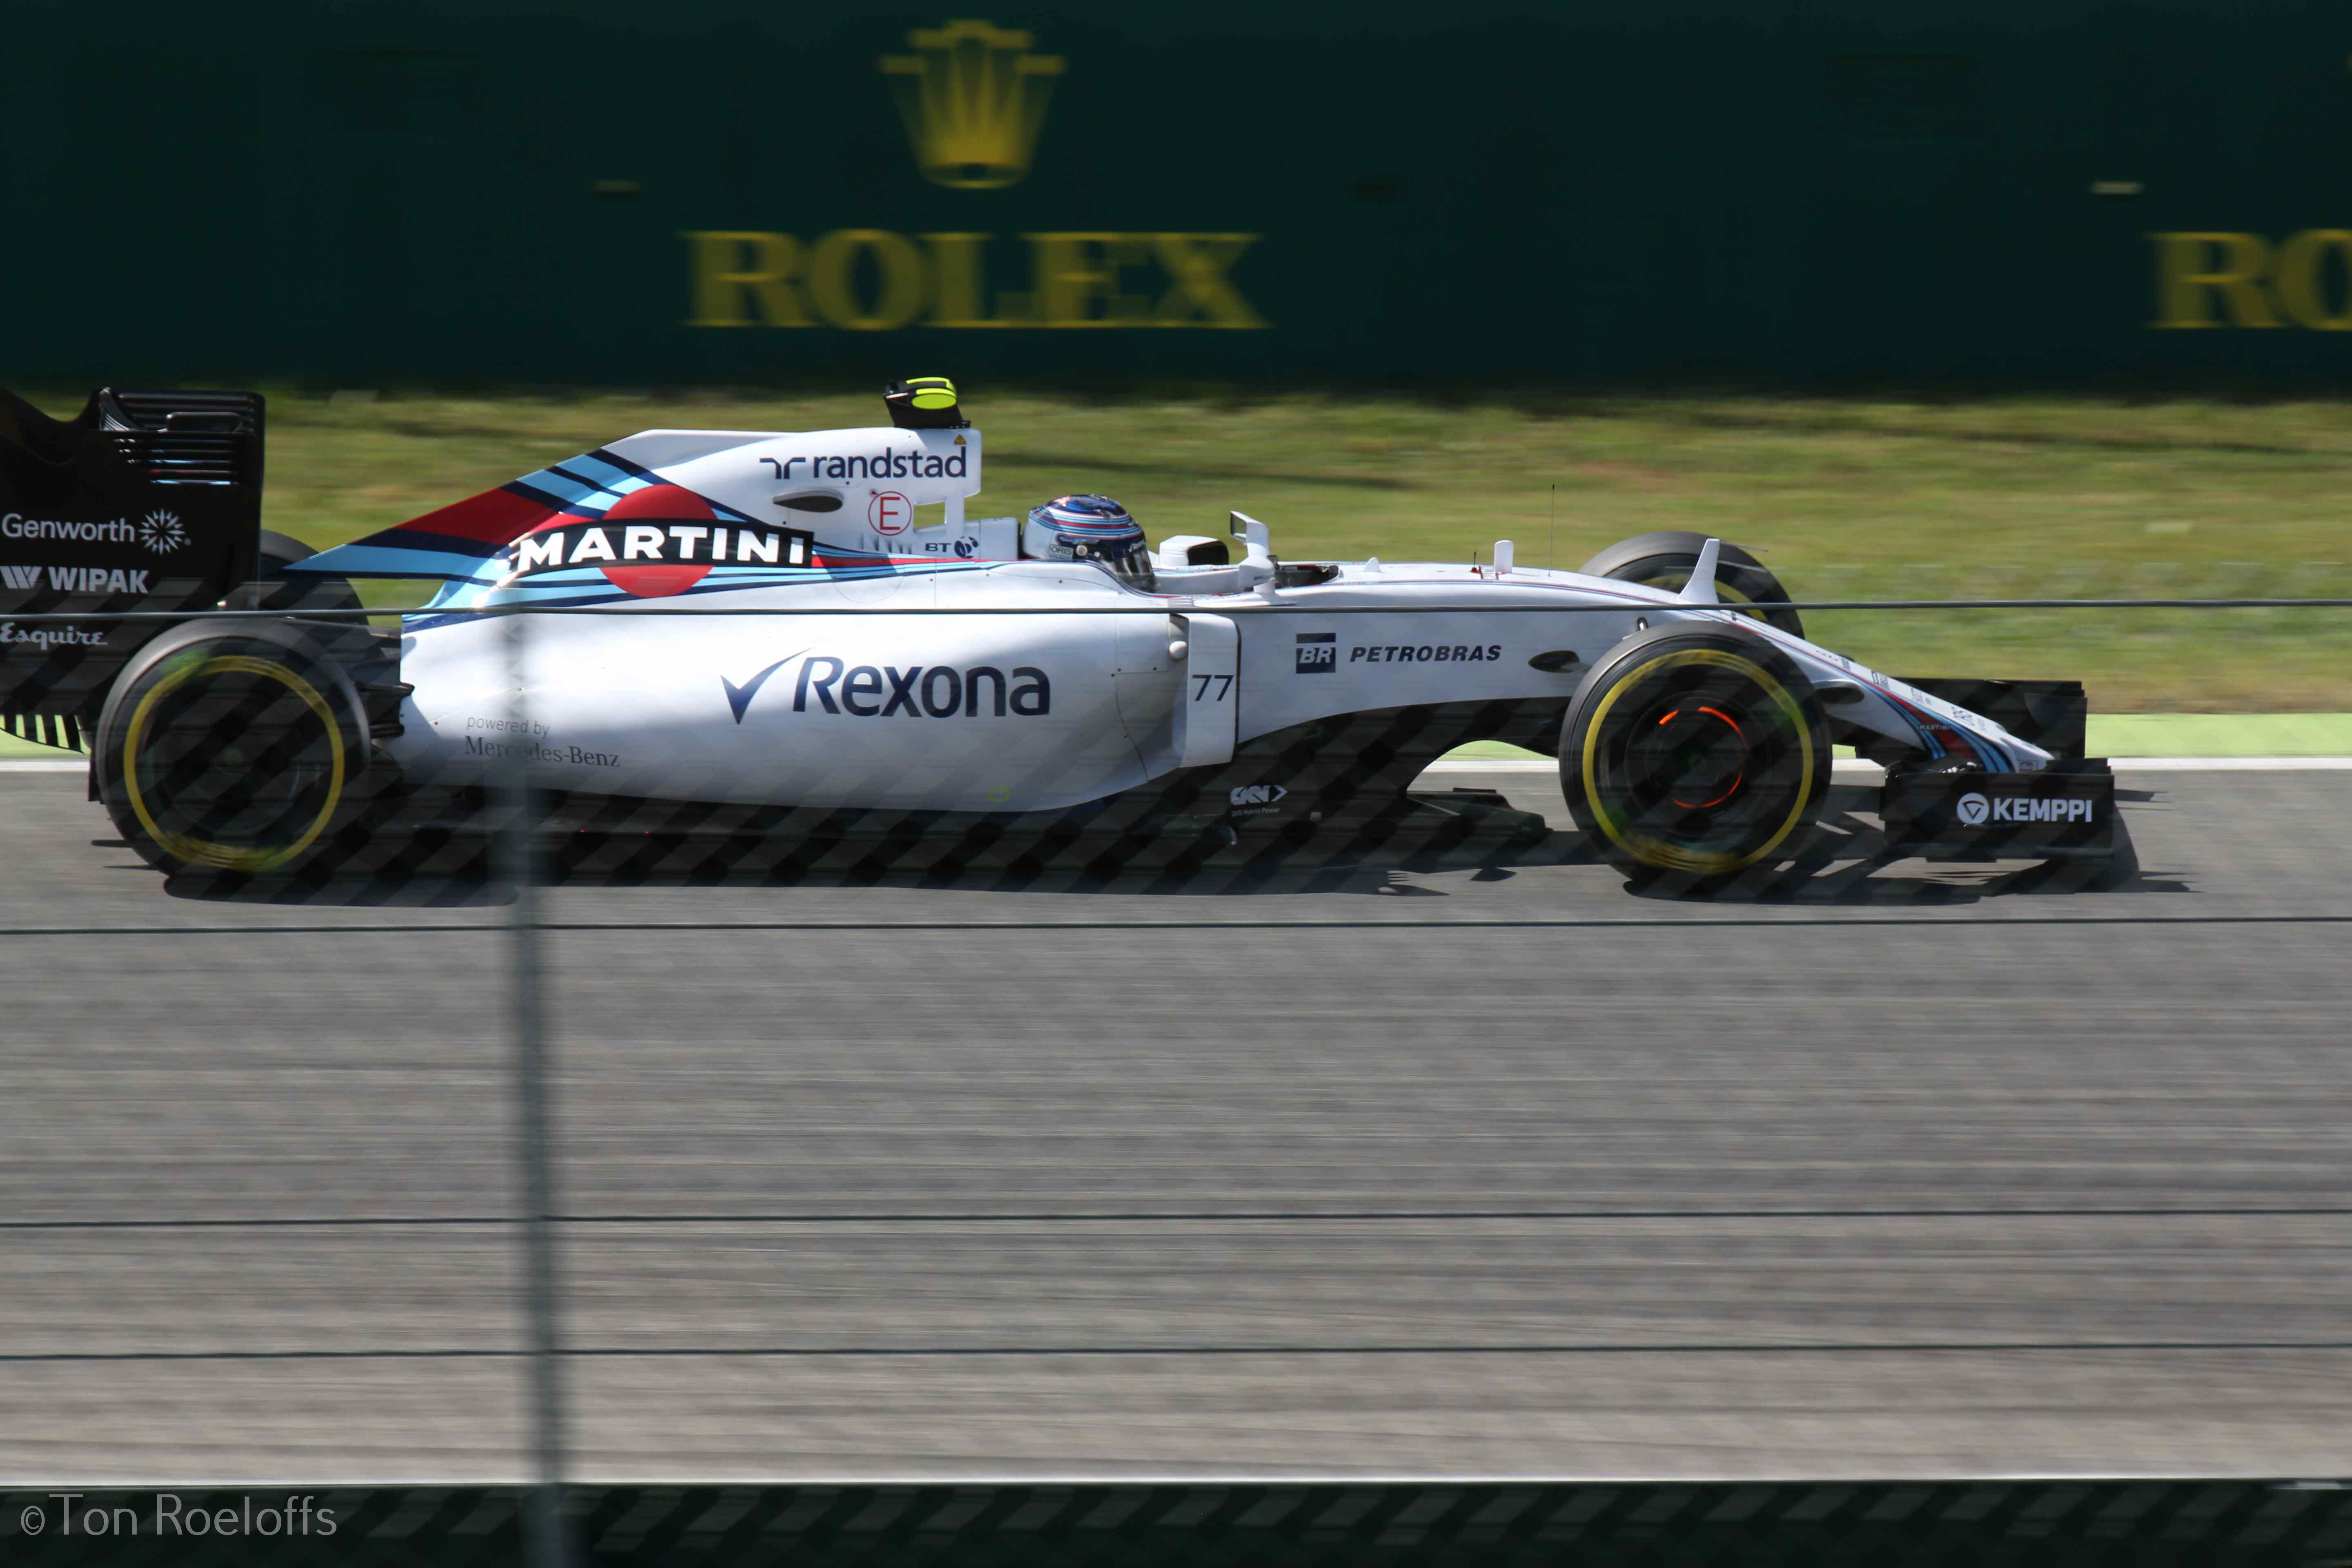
x=1698 y=761
x=1693 y=755
x=233 y=762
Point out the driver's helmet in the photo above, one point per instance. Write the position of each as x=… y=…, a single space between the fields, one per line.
x=1089 y=527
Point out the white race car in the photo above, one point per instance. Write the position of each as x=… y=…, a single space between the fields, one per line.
x=805 y=637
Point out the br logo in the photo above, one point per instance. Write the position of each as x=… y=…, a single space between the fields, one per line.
x=974 y=98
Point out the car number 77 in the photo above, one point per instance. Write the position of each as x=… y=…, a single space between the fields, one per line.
x=1224 y=685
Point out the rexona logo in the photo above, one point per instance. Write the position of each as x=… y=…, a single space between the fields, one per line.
x=1319 y=652
x=1975 y=810
x=937 y=691
x=972 y=98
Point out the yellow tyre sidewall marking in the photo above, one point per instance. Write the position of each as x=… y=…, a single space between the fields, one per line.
x=222 y=857
x=1667 y=856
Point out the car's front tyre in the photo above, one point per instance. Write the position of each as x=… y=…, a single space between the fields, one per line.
x=1695 y=752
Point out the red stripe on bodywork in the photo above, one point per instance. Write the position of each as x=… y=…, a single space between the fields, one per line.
x=494 y=517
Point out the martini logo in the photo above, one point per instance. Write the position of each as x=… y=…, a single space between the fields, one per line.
x=658 y=542
x=974 y=98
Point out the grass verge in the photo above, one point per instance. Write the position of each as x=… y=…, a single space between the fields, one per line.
x=2031 y=497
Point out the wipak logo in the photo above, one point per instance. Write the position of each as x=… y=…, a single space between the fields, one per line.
x=974 y=98
x=77 y=579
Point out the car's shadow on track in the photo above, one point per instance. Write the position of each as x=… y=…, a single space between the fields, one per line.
x=1847 y=864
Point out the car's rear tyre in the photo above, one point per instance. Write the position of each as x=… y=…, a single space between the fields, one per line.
x=231 y=746
x=1695 y=752
x=1664 y=560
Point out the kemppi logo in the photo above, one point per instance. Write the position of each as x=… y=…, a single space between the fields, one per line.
x=1975 y=810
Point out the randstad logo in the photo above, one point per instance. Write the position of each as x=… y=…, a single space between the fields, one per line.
x=974 y=98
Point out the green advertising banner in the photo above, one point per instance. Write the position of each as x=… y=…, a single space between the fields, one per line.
x=625 y=194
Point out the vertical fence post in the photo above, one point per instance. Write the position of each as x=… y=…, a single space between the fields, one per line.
x=544 y=1517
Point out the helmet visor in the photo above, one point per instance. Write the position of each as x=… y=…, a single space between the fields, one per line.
x=1129 y=560
x=1121 y=552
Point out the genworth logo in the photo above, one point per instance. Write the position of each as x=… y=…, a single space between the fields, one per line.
x=974 y=98
x=160 y=531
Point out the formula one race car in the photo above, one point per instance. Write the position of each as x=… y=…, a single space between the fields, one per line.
x=755 y=636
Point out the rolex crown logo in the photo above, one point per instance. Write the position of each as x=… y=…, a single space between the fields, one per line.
x=974 y=97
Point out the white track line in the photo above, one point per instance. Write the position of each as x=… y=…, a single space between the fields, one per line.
x=1852 y=770
x=1848 y=768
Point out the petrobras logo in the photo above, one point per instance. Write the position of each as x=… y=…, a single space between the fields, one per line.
x=1975 y=810
x=1426 y=653
x=1318 y=652
x=74 y=579
x=159 y=531
x=830 y=685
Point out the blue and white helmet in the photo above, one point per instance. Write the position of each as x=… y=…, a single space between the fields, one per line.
x=1090 y=528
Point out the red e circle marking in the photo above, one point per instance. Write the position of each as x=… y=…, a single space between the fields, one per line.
x=889 y=512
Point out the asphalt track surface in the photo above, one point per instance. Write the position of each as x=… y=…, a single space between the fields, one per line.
x=1471 y=1169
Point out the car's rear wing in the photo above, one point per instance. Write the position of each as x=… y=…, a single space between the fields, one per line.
x=145 y=501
